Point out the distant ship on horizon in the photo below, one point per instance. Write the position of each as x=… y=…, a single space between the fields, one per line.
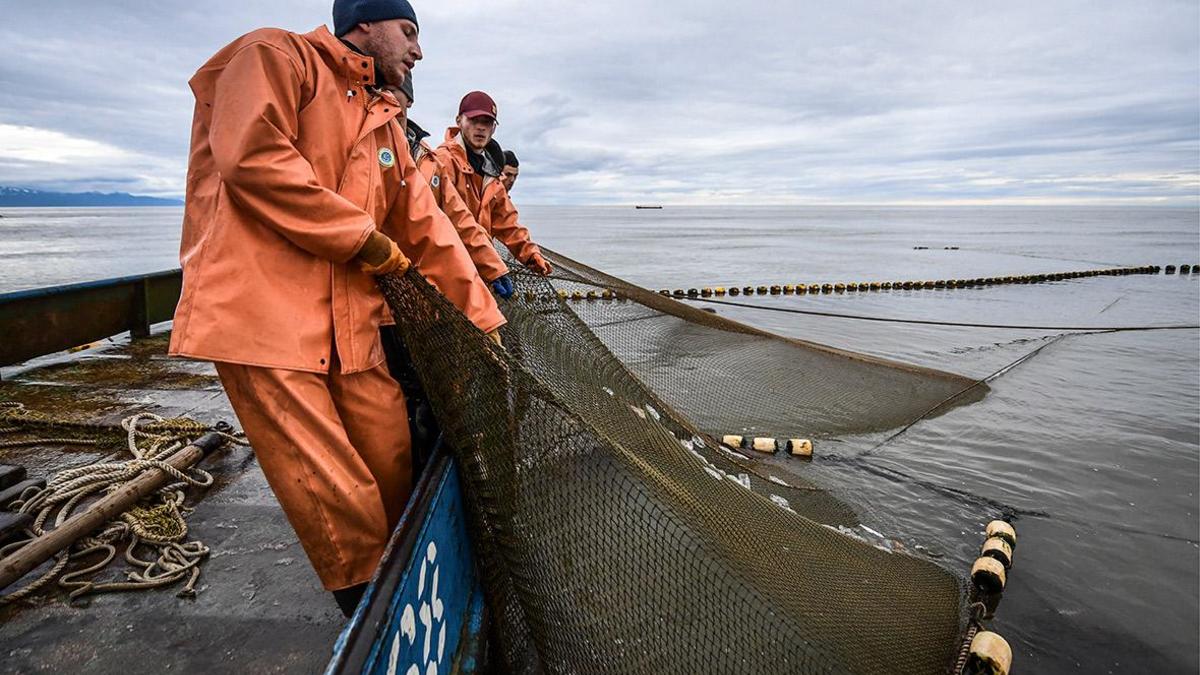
x=647 y=206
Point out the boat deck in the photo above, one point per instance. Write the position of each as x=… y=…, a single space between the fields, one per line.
x=259 y=606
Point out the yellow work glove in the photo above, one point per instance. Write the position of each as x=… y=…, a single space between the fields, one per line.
x=538 y=264
x=495 y=336
x=381 y=255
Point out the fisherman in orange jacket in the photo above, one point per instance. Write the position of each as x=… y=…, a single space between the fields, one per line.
x=475 y=160
x=298 y=192
x=441 y=183
x=512 y=169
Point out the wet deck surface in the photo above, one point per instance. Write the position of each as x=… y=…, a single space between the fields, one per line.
x=259 y=606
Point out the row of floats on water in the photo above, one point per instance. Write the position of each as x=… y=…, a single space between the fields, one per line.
x=867 y=286
x=988 y=653
x=798 y=447
x=911 y=285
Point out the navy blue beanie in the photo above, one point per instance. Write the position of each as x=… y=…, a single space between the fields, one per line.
x=349 y=13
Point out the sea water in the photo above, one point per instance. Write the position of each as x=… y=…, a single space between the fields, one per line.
x=1094 y=440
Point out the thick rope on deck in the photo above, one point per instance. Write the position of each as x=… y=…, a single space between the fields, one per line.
x=157 y=523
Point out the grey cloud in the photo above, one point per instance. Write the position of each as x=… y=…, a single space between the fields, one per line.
x=688 y=101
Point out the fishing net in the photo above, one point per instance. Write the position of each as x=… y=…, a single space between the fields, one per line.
x=727 y=377
x=614 y=535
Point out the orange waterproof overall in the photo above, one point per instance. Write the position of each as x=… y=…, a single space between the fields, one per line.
x=294 y=162
x=477 y=241
x=486 y=198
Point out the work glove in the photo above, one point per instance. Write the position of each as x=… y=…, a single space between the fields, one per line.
x=380 y=255
x=495 y=336
x=538 y=264
x=503 y=286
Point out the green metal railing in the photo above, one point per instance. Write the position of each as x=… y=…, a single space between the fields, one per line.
x=46 y=320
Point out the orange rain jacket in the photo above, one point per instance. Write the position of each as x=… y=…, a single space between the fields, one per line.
x=478 y=242
x=286 y=179
x=487 y=199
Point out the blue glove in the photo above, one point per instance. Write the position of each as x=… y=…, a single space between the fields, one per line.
x=503 y=287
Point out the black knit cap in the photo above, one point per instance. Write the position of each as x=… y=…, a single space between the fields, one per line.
x=510 y=158
x=349 y=13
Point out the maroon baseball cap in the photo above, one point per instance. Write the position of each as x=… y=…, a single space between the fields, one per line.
x=477 y=103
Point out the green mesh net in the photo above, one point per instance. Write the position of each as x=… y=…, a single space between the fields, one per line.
x=615 y=534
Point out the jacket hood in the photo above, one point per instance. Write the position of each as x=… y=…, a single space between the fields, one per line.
x=415 y=135
x=493 y=148
x=337 y=56
x=494 y=151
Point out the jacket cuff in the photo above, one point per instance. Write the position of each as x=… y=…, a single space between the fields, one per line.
x=493 y=323
x=493 y=274
x=358 y=245
x=533 y=250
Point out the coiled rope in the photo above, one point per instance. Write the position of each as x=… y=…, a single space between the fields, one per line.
x=157 y=523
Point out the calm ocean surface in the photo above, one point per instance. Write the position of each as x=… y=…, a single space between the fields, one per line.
x=1097 y=437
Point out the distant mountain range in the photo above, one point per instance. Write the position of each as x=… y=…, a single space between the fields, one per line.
x=10 y=196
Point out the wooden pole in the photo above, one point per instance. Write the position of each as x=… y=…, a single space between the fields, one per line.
x=105 y=509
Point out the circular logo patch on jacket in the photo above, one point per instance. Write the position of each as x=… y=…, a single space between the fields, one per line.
x=387 y=158
x=435 y=181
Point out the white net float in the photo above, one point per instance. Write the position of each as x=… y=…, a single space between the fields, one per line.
x=800 y=447
x=988 y=575
x=997 y=548
x=990 y=654
x=764 y=444
x=1003 y=530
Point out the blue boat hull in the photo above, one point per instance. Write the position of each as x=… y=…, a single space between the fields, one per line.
x=423 y=613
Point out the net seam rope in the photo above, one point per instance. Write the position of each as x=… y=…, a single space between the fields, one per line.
x=954 y=324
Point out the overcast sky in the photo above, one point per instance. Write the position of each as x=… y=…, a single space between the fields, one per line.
x=674 y=101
